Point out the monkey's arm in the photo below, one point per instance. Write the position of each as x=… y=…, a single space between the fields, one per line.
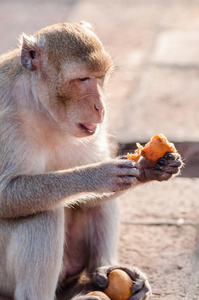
x=28 y=194
x=164 y=169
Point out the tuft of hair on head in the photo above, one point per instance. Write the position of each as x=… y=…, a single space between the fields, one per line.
x=87 y=25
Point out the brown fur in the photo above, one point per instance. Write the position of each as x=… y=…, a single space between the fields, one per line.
x=58 y=185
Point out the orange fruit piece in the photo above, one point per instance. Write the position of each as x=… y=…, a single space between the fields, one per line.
x=119 y=287
x=156 y=148
x=99 y=294
x=134 y=156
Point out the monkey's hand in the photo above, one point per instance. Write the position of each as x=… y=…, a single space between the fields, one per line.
x=140 y=289
x=112 y=176
x=164 y=169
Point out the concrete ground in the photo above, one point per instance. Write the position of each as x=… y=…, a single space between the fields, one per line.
x=155 y=89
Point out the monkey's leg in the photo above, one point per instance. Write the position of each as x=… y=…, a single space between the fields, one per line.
x=38 y=243
x=103 y=237
x=100 y=235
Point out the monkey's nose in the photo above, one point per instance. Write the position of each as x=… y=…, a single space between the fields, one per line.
x=100 y=109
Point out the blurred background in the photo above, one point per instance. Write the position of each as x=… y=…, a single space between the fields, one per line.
x=155 y=47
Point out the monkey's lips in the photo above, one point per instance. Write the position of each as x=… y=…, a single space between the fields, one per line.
x=89 y=128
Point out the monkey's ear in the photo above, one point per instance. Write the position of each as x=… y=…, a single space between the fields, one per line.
x=29 y=53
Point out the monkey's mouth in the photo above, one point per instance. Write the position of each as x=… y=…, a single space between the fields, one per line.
x=89 y=128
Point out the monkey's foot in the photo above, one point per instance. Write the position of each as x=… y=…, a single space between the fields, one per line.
x=140 y=289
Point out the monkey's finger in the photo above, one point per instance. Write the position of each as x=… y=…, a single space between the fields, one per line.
x=167 y=169
x=161 y=176
x=100 y=278
x=172 y=156
x=141 y=294
x=175 y=163
x=164 y=162
x=127 y=163
x=128 y=172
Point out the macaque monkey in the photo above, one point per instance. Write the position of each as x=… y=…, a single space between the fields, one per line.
x=58 y=183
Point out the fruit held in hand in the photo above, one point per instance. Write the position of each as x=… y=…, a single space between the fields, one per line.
x=156 y=148
x=135 y=155
x=101 y=295
x=119 y=287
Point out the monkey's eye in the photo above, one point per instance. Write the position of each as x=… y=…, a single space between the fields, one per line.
x=100 y=79
x=84 y=79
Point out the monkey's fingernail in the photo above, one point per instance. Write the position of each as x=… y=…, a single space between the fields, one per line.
x=162 y=161
x=169 y=155
x=158 y=165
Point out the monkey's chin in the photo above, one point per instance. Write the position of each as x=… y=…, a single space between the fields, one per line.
x=88 y=128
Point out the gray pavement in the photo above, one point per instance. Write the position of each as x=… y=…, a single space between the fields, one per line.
x=159 y=232
x=155 y=89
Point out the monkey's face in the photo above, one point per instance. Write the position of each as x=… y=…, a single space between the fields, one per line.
x=81 y=102
x=70 y=69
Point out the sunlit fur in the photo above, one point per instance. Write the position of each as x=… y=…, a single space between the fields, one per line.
x=36 y=140
x=58 y=184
